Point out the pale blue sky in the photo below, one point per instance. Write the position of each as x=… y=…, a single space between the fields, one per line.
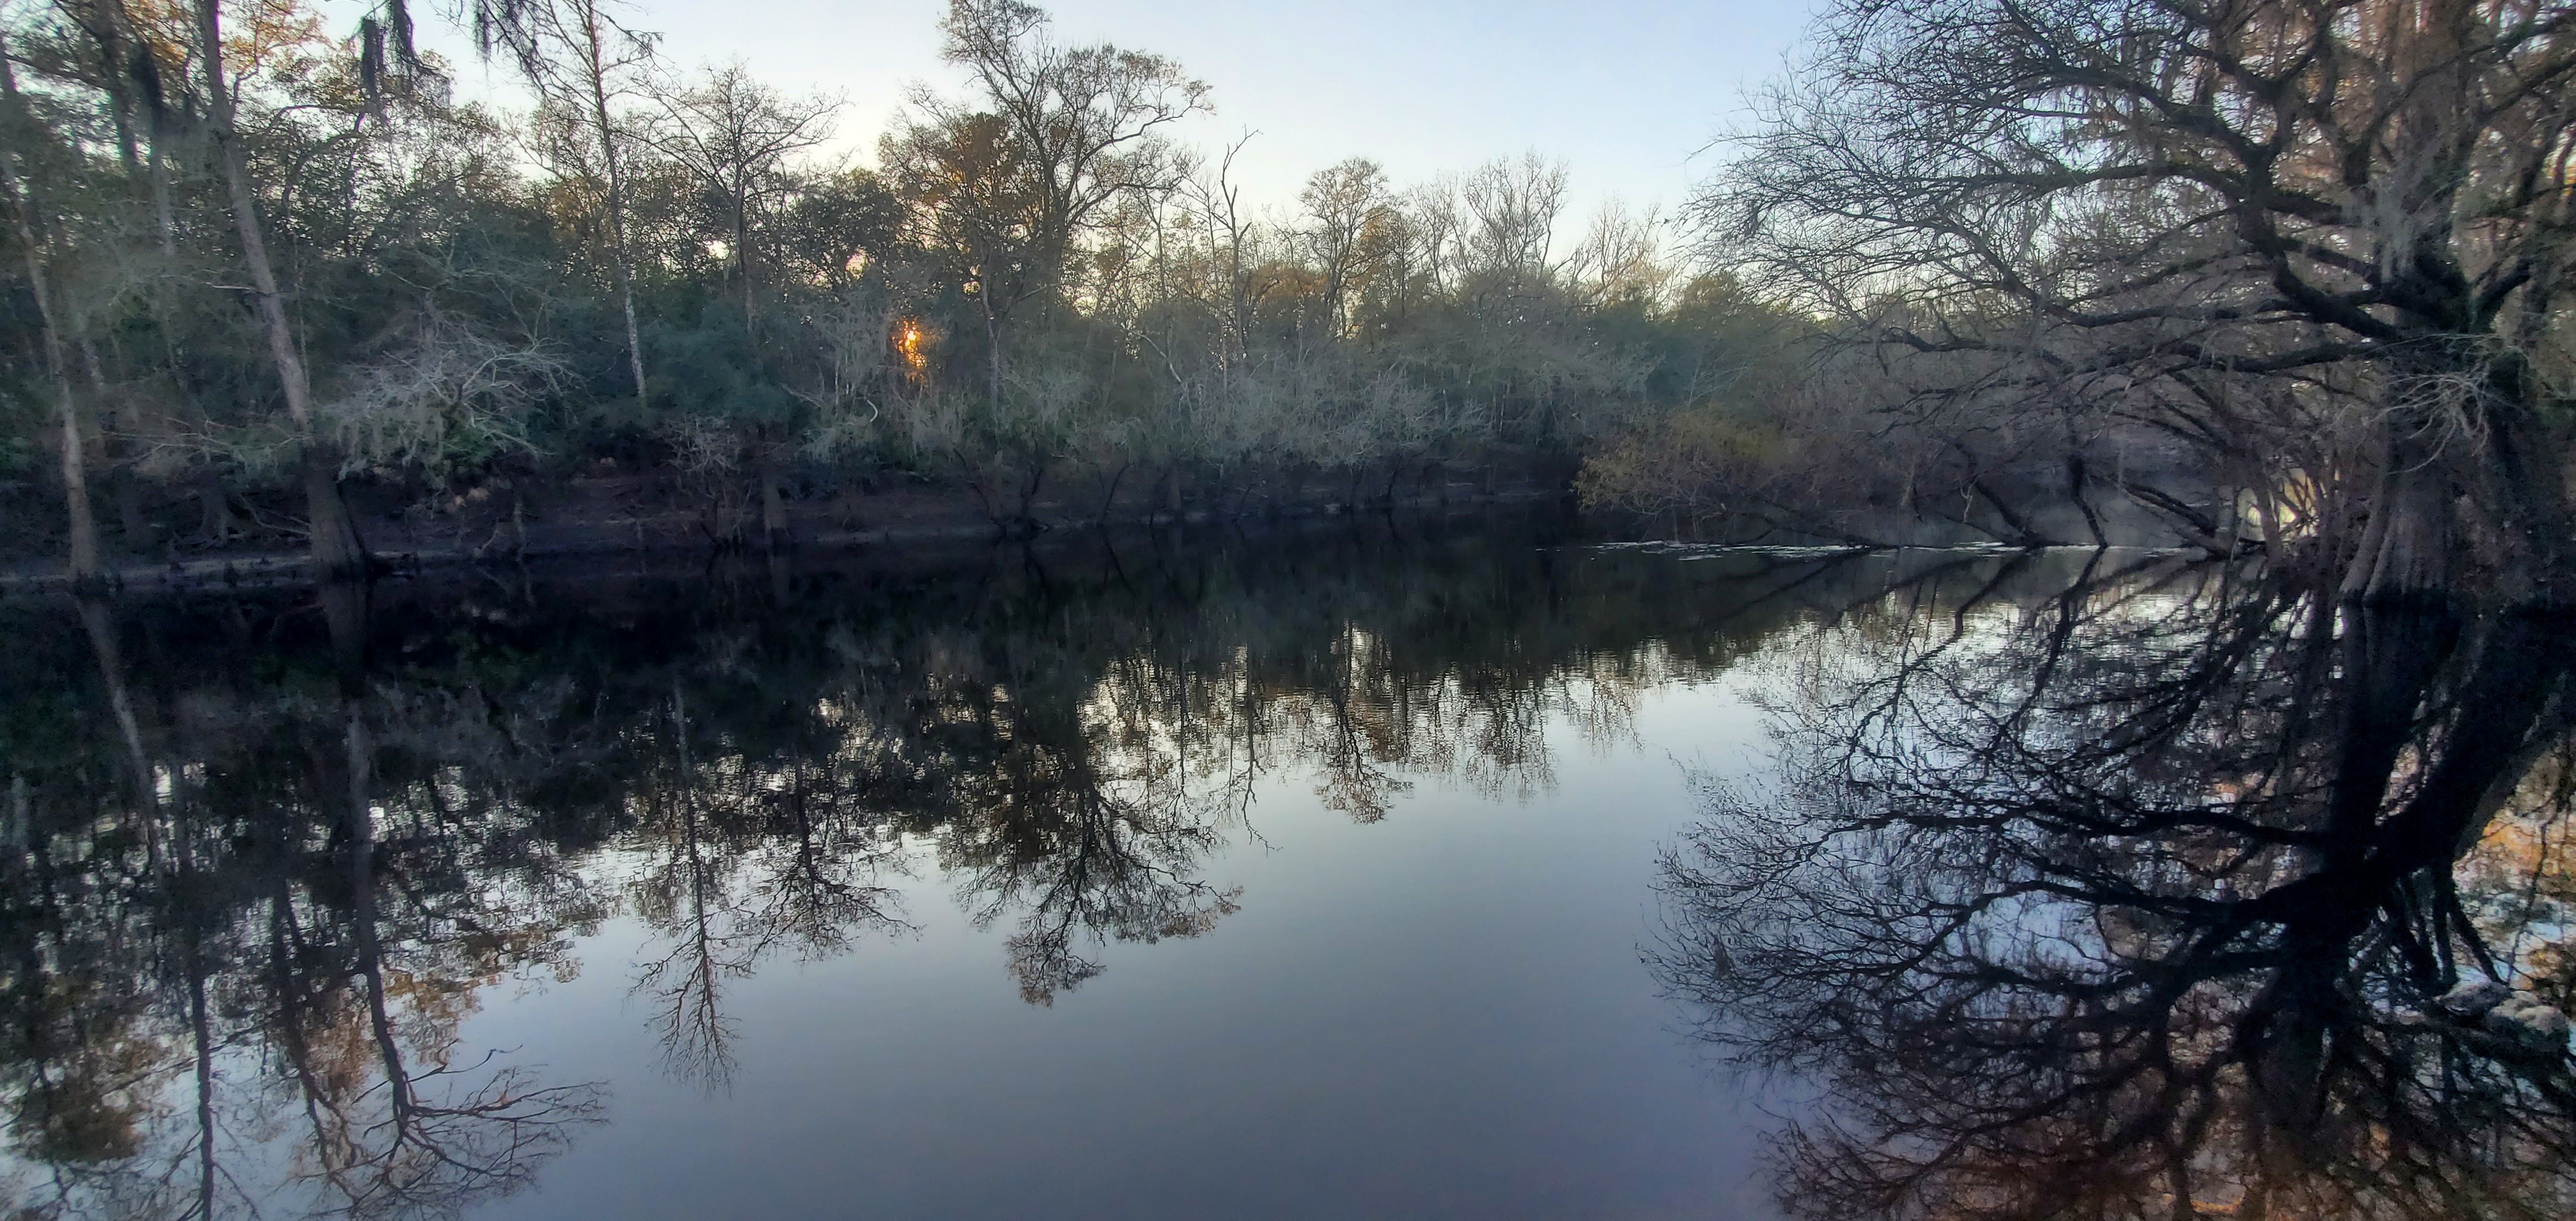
x=1625 y=94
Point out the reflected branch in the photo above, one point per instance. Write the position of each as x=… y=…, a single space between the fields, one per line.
x=2142 y=900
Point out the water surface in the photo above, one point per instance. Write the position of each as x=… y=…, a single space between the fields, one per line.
x=1365 y=871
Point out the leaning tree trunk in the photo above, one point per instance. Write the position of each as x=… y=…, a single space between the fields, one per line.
x=20 y=198
x=100 y=624
x=337 y=551
x=82 y=553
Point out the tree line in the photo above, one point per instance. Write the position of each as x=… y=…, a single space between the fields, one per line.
x=268 y=268
x=2263 y=275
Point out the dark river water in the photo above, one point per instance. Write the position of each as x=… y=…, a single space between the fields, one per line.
x=1365 y=871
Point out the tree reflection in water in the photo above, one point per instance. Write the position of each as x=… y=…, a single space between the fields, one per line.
x=2141 y=901
x=269 y=854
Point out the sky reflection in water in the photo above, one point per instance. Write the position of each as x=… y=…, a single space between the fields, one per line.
x=1144 y=878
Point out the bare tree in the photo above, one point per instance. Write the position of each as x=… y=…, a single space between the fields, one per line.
x=1621 y=260
x=2322 y=242
x=735 y=135
x=583 y=60
x=1512 y=209
x=1214 y=200
x=1347 y=206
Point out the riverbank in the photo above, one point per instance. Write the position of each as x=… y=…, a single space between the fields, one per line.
x=607 y=516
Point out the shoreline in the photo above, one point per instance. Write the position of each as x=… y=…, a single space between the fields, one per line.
x=560 y=538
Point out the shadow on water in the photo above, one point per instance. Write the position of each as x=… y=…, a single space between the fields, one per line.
x=2171 y=894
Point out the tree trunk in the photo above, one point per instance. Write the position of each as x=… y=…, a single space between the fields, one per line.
x=773 y=510
x=201 y=1031
x=2532 y=519
x=100 y=626
x=622 y=262
x=82 y=552
x=742 y=267
x=143 y=172
x=1109 y=503
x=162 y=210
x=82 y=549
x=2076 y=479
x=215 y=520
x=2405 y=550
x=336 y=550
x=993 y=357
x=126 y=492
x=1029 y=494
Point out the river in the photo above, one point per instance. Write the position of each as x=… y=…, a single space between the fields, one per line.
x=1365 y=869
